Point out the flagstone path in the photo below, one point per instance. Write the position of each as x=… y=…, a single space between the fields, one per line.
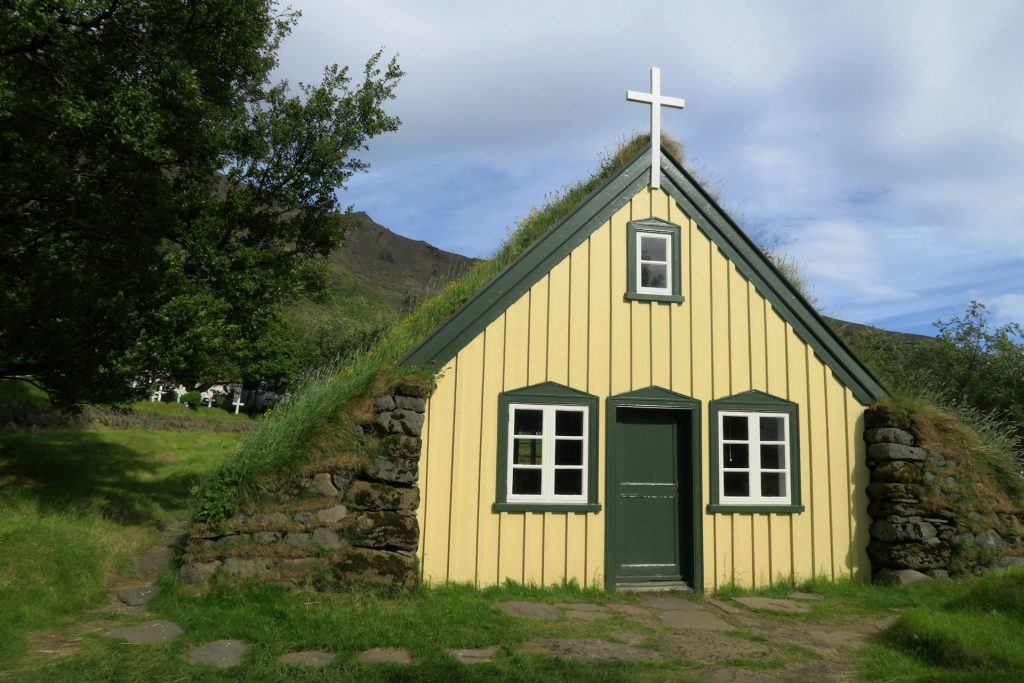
x=714 y=637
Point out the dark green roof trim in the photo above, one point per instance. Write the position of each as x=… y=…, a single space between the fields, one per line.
x=521 y=274
x=755 y=266
x=590 y=213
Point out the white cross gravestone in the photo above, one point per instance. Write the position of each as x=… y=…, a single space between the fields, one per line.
x=657 y=101
x=208 y=398
x=158 y=395
x=180 y=391
x=237 y=403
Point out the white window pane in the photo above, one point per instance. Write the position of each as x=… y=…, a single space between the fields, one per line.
x=526 y=482
x=653 y=248
x=773 y=484
x=735 y=456
x=569 y=423
x=734 y=427
x=653 y=276
x=772 y=429
x=773 y=457
x=737 y=484
x=568 y=452
x=568 y=482
x=528 y=452
x=529 y=421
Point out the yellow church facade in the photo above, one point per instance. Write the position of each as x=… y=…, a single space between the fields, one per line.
x=641 y=398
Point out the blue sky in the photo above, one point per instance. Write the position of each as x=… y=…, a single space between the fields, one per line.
x=881 y=143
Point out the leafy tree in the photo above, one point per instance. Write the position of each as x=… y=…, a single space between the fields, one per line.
x=159 y=197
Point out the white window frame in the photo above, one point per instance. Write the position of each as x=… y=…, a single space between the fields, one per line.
x=754 y=469
x=667 y=238
x=548 y=466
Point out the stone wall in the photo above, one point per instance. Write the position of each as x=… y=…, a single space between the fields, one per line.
x=927 y=520
x=338 y=524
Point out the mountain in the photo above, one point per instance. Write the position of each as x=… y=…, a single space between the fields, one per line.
x=401 y=270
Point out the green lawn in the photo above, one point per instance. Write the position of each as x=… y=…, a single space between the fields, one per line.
x=77 y=505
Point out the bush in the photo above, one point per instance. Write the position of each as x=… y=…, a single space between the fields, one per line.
x=192 y=399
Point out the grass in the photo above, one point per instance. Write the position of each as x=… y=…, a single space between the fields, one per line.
x=18 y=391
x=302 y=427
x=76 y=506
x=200 y=414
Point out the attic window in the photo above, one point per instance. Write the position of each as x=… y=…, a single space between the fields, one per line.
x=653 y=269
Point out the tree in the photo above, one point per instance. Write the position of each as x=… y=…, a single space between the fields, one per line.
x=158 y=195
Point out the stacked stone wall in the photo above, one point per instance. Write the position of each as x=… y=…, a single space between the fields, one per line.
x=339 y=524
x=926 y=519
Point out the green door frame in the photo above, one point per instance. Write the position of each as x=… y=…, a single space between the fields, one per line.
x=658 y=399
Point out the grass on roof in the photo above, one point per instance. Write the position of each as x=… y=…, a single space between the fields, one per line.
x=313 y=421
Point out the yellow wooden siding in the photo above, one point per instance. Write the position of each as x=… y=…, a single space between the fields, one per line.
x=574 y=327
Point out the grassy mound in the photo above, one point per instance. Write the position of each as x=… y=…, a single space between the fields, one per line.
x=315 y=420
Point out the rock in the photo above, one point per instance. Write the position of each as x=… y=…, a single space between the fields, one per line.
x=900 y=493
x=322 y=482
x=668 y=602
x=404 y=446
x=881 y=508
x=140 y=595
x=911 y=531
x=297 y=539
x=342 y=480
x=696 y=619
x=417 y=405
x=312 y=658
x=384 y=530
x=332 y=515
x=723 y=605
x=383 y=404
x=928 y=477
x=277 y=519
x=899 y=577
x=365 y=565
x=325 y=539
x=303 y=565
x=303 y=518
x=199 y=572
x=801 y=595
x=155 y=560
x=242 y=568
x=147 y=633
x=418 y=389
x=232 y=539
x=962 y=541
x=365 y=495
x=590 y=649
x=384 y=655
x=898 y=471
x=386 y=423
x=888 y=435
x=1006 y=562
x=884 y=452
x=936 y=460
x=539 y=611
x=411 y=423
x=909 y=555
x=394 y=470
x=266 y=537
x=222 y=654
x=773 y=604
x=938 y=573
x=478 y=655
x=990 y=540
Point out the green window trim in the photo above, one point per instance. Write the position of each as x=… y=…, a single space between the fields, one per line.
x=654 y=226
x=754 y=402
x=548 y=394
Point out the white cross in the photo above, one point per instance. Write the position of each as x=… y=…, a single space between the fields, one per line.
x=208 y=398
x=237 y=402
x=158 y=395
x=180 y=391
x=656 y=100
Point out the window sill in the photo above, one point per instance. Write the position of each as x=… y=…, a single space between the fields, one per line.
x=755 y=507
x=668 y=298
x=546 y=507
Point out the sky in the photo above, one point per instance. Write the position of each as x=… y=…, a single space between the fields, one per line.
x=880 y=144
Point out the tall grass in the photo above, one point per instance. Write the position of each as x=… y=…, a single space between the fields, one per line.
x=282 y=440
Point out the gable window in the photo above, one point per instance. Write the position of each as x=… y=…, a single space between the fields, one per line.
x=754 y=455
x=653 y=272
x=547 y=450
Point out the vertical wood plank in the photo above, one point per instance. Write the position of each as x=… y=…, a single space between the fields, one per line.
x=437 y=505
x=533 y=548
x=558 y=324
x=488 y=528
x=861 y=479
x=802 y=544
x=576 y=548
x=517 y=343
x=554 y=548
x=465 y=466
x=680 y=316
x=739 y=332
x=640 y=344
x=821 y=510
x=513 y=530
x=621 y=315
x=579 y=315
x=539 y=338
x=758 y=340
x=840 y=482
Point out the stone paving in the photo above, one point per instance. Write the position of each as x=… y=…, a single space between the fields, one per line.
x=709 y=632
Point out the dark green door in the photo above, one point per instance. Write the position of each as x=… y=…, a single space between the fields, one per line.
x=648 y=534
